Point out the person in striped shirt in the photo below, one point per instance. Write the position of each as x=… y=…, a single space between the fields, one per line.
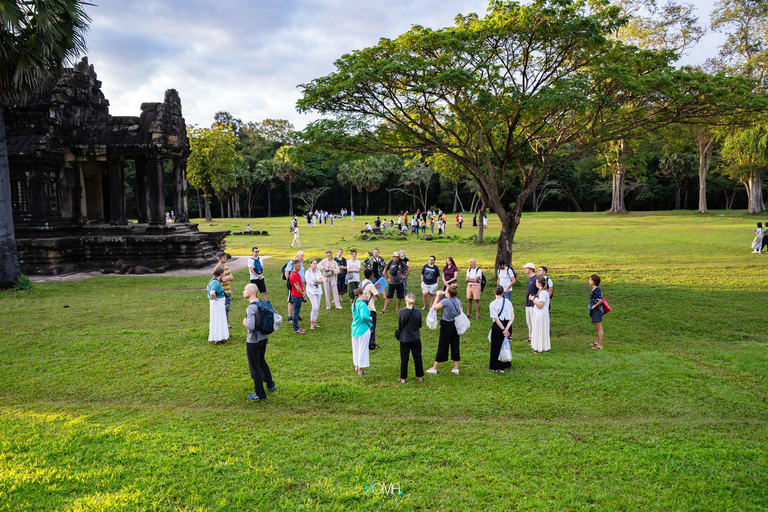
x=226 y=279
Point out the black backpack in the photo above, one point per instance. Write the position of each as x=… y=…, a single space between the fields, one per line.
x=285 y=269
x=482 y=283
x=267 y=312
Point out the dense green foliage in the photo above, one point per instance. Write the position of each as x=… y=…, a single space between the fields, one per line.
x=112 y=399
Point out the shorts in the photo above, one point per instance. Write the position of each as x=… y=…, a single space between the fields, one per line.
x=473 y=291
x=392 y=288
x=430 y=289
x=260 y=285
x=596 y=314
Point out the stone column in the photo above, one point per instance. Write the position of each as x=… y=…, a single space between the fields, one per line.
x=38 y=198
x=116 y=192
x=141 y=190
x=154 y=172
x=77 y=191
x=180 y=182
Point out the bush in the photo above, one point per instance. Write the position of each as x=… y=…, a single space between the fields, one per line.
x=23 y=284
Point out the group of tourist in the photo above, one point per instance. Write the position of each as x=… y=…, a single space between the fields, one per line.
x=365 y=281
x=761 y=238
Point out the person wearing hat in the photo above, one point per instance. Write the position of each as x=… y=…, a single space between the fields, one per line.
x=531 y=290
x=394 y=273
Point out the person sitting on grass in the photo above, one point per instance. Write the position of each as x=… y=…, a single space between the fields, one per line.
x=256 y=345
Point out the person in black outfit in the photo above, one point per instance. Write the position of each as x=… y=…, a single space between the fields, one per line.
x=596 y=310
x=503 y=315
x=408 y=325
x=256 y=346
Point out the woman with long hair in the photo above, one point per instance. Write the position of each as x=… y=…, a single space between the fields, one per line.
x=314 y=278
x=450 y=273
x=361 y=330
x=218 y=331
x=757 y=243
x=502 y=314
x=596 y=310
x=540 y=332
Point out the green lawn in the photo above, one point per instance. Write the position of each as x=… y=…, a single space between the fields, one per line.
x=111 y=397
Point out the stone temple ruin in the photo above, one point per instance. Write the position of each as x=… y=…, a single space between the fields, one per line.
x=67 y=163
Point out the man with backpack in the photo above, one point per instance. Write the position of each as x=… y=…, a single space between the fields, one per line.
x=259 y=320
x=256 y=271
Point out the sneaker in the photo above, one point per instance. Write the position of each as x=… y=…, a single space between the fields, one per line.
x=431 y=371
x=254 y=396
x=271 y=389
x=455 y=371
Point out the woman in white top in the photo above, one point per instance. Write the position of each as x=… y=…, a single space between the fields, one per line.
x=758 y=241
x=503 y=314
x=314 y=278
x=540 y=330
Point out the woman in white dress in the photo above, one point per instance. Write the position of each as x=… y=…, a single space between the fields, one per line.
x=314 y=278
x=217 y=325
x=540 y=331
x=758 y=241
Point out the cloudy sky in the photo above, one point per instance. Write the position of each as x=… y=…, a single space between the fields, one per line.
x=248 y=56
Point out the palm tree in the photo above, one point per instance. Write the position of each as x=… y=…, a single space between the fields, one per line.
x=37 y=37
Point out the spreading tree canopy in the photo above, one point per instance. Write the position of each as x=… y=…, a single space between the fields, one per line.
x=512 y=95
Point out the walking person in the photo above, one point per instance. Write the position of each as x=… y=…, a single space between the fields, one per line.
x=341 y=278
x=218 y=331
x=226 y=279
x=367 y=285
x=540 y=333
x=530 y=290
x=256 y=272
x=353 y=273
x=450 y=273
x=287 y=269
x=296 y=237
x=757 y=243
x=297 y=295
x=502 y=316
x=474 y=281
x=596 y=310
x=393 y=273
x=256 y=345
x=449 y=337
x=408 y=325
x=330 y=270
x=505 y=277
x=430 y=273
x=314 y=278
x=361 y=331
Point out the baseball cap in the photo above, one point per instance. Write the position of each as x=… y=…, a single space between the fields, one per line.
x=530 y=265
x=396 y=253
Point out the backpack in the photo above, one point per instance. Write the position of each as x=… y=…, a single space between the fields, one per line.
x=482 y=283
x=285 y=269
x=267 y=312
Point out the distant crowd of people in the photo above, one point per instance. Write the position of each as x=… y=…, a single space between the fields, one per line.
x=365 y=281
x=417 y=223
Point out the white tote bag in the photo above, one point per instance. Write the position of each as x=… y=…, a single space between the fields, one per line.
x=432 y=319
x=278 y=320
x=462 y=323
x=505 y=354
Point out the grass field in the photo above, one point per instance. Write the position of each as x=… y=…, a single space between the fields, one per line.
x=111 y=397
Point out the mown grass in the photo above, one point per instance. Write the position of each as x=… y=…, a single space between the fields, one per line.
x=118 y=402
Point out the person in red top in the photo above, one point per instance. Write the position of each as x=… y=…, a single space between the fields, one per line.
x=297 y=295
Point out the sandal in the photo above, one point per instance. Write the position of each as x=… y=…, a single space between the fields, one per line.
x=362 y=372
x=401 y=381
x=597 y=348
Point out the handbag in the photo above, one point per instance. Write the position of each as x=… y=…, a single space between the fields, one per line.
x=461 y=322
x=606 y=307
x=505 y=353
x=432 y=319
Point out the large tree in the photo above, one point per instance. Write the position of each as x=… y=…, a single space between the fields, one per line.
x=212 y=161
x=513 y=95
x=36 y=39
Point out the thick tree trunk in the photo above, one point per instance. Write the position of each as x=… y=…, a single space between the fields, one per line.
x=221 y=208
x=229 y=205
x=9 y=258
x=706 y=145
x=290 y=198
x=754 y=186
x=207 y=199
x=619 y=177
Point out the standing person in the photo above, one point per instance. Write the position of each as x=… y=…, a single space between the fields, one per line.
x=297 y=295
x=542 y=272
x=450 y=273
x=485 y=221
x=432 y=224
x=393 y=273
x=309 y=219
x=474 y=281
x=361 y=331
x=540 y=334
x=505 y=277
x=408 y=325
x=457 y=220
x=330 y=270
x=461 y=221
x=352 y=215
x=430 y=273
x=353 y=273
x=341 y=279
x=405 y=261
x=530 y=290
x=474 y=221
x=765 y=239
x=376 y=263
x=296 y=237
x=449 y=337
x=758 y=241
x=287 y=269
x=596 y=310
x=226 y=279
x=503 y=316
x=368 y=286
x=217 y=324
x=315 y=280
x=256 y=271
x=256 y=345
